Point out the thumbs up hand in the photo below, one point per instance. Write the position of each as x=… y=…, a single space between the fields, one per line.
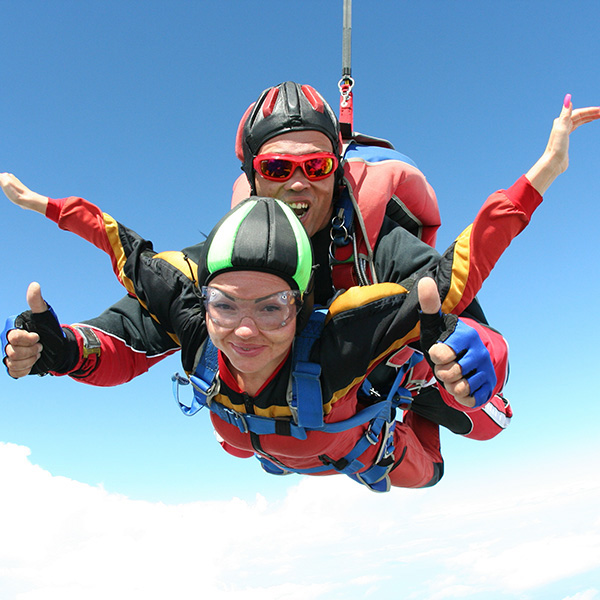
x=459 y=359
x=34 y=342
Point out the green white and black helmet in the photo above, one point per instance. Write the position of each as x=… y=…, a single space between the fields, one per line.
x=261 y=234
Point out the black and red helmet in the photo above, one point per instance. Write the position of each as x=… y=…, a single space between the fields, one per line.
x=288 y=106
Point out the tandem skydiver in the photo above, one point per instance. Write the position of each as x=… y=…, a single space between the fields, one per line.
x=251 y=294
x=290 y=146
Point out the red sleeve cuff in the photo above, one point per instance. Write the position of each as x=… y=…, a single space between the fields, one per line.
x=54 y=208
x=524 y=196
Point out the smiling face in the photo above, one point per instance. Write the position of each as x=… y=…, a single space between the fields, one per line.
x=310 y=200
x=252 y=354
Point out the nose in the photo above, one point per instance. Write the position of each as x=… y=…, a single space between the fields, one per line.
x=246 y=328
x=298 y=181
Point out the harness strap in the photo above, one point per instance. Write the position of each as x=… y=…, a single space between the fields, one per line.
x=376 y=477
x=396 y=392
x=380 y=416
x=265 y=425
x=342 y=222
x=382 y=426
x=204 y=381
x=306 y=382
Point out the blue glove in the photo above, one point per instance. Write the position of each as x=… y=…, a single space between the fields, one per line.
x=471 y=353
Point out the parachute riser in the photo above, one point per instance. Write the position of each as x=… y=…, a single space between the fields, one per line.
x=346 y=83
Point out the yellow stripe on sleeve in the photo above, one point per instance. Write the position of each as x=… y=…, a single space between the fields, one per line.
x=460 y=270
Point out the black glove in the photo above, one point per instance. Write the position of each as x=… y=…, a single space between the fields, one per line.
x=60 y=351
x=435 y=328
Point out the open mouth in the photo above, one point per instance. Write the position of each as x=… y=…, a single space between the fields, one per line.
x=299 y=208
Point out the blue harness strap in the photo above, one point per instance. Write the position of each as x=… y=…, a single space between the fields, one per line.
x=203 y=380
x=306 y=375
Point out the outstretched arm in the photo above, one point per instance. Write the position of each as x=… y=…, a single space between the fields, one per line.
x=462 y=269
x=504 y=215
x=167 y=283
x=131 y=341
x=487 y=242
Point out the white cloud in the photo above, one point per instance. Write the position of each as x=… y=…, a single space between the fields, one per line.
x=586 y=595
x=329 y=538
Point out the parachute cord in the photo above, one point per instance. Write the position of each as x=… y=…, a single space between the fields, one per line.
x=358 y=264
x=361 y=267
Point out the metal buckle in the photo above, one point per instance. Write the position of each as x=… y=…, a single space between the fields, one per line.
x=238 y=419
x=371 y=437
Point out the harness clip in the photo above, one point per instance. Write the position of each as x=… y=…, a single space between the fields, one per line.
x=237 y=419
x=371 y=437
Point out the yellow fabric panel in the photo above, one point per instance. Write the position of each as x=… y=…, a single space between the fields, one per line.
x=460 y=270
x=112 y=232
x=188 y=267
x=359 y=296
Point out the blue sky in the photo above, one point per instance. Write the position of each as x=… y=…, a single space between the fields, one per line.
x=134 y=105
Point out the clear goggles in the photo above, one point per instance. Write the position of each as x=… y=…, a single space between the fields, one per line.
x=280 y=167
x=269 y=312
